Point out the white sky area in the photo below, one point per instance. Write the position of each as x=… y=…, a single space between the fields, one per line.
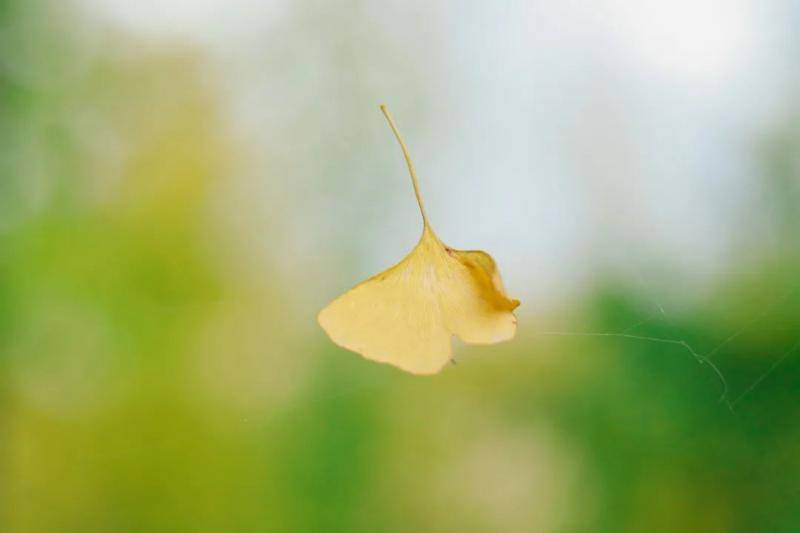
x=559 y=136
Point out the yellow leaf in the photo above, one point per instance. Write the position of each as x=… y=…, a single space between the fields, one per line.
x=406 y=315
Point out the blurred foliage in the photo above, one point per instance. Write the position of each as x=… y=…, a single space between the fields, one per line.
x=148 y=382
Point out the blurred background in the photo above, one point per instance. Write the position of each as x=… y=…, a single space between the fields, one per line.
x=184 y=184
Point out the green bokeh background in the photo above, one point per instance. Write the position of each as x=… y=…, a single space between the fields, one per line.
x=154 y=376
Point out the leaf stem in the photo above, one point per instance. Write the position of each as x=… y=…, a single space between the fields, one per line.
x=414 y=181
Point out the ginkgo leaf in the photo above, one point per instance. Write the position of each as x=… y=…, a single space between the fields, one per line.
x=406 y=315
